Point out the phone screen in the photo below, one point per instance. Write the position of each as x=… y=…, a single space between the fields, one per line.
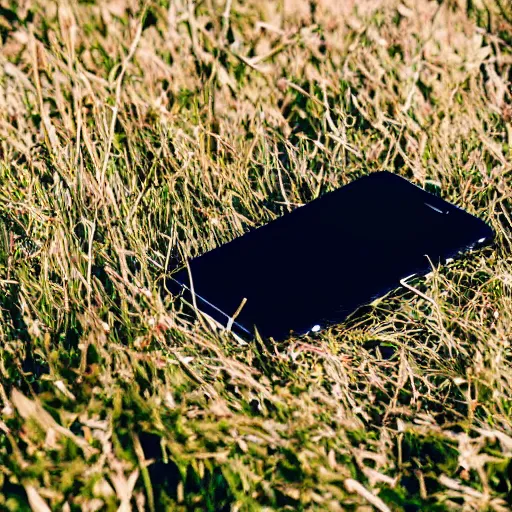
x=316 y=265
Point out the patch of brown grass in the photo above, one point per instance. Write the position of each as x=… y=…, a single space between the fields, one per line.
x=131 y=134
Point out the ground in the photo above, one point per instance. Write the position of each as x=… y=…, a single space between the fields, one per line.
x=132 y=134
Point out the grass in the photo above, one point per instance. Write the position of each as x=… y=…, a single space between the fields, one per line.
x=132 y=134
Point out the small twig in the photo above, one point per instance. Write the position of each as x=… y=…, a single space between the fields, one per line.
x=237 y=312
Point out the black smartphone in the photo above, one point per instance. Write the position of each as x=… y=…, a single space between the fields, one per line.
x=313 y=267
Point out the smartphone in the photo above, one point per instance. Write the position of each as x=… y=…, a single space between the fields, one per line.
x=316 y=265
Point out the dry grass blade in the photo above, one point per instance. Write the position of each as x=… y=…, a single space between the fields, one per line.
x=355 y=486
x=37 y=504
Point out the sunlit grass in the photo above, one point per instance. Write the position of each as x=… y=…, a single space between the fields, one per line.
x=134 y=135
